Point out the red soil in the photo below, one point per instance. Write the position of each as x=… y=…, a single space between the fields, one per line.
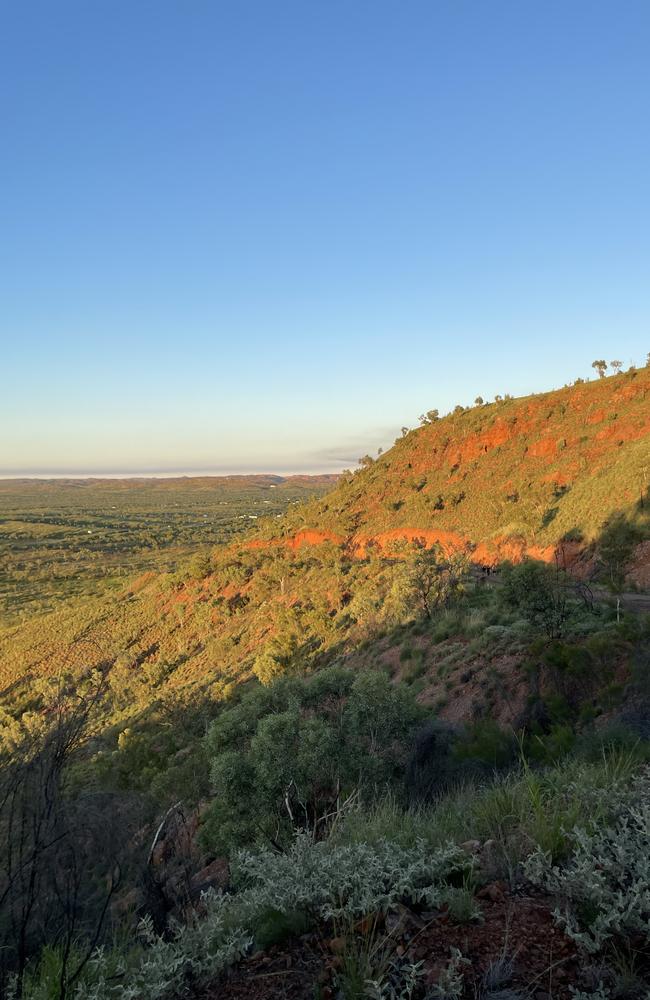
x=389 y=541
x=517 y=930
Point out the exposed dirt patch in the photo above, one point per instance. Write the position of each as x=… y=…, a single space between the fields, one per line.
x=387 y=541
x=516 y=930
x=282 y=973
x=516 y=943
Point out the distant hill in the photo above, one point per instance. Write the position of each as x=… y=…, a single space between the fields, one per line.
x=110 y=483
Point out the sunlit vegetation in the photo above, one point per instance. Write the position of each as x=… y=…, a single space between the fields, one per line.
x=407 y=700
x=506 y=477
x=63 y=539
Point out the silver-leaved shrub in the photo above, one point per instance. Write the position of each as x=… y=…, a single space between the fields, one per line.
x=345 y=881
x=605 y=884
x=196 y=951
x=318 y=879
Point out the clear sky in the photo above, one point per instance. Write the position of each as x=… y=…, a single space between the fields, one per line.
x=264 y=235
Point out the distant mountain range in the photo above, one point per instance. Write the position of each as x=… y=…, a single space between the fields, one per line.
x=169 y=482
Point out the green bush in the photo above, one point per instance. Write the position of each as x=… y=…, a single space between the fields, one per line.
x=540 y=593
x=488 y=744
x=286 y=756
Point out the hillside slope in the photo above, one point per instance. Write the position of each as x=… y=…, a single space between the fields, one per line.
x=496 y=481
x=507 y=478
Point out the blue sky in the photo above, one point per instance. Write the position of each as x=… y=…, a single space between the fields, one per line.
x=264 y=235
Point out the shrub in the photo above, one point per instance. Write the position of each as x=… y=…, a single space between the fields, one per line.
x=539 y=592
x=283 y=758
x=268 y=667
x=197 y=951
x=615 y=547
x=344 y=881
x=487 y=744
x=605 y=884
x=199 y=566
x=310 y=881
x=461 y=904
x=417 y=667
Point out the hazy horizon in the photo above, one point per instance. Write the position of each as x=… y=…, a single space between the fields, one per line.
x=329 y=461
x=170 y=474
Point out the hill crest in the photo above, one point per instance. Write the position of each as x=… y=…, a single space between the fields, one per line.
x=500 y=480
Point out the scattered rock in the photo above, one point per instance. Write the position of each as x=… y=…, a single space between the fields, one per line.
x=312 y=964
x=337 y=945
x=215 y=874
x=495 y=891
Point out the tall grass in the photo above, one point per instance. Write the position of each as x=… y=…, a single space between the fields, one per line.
x=516 y=813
